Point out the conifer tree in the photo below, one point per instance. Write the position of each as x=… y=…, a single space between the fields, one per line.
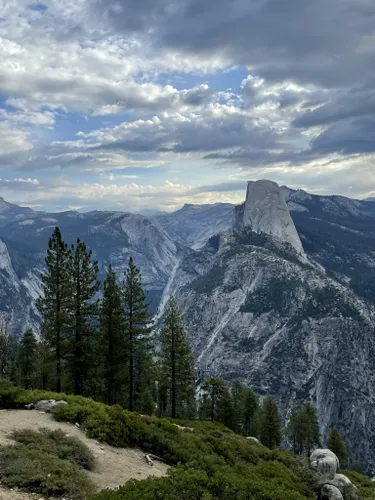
x=215 y=389
x=336 y=444
x=176 y=364
x=112 y=338
x=270 y=429
x=137 y=331
x=296 y=431
x=238 y=403
x=250 y=422
x=28 y=349
x=8 y=354
x=303 y=429
x=225 y=410
x=84 y=309
x=312 y=427
x=54 y=304
x=44 y=364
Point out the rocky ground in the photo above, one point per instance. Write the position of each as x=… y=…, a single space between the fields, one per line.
x=114 y=466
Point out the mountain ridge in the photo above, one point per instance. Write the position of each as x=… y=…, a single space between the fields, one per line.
x=298 y=326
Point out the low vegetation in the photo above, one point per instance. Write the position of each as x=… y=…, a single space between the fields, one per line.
x=48 y=463
x=365 y=485
x=210 y=461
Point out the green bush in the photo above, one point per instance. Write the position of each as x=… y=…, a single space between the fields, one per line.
x=48 y=463
x=365 y=485
x=211 y=462
x=58 y=444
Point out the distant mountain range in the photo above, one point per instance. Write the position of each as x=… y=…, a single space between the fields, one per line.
x=278 y=292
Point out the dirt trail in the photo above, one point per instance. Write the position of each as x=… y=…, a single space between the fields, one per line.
x=114 y=466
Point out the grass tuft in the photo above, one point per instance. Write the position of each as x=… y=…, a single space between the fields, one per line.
x=48 y=463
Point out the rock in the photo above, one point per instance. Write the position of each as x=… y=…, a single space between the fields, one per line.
x=329 y=492
x=183 y=428
x=325 y=463
x=48 y=405
x=347 y=488
x=266 y=211
x=254 y=439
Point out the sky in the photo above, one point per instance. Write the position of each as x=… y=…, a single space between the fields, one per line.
x=150 y=104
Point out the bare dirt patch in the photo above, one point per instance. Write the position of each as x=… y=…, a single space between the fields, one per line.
x=114 y=466
x=14 y=495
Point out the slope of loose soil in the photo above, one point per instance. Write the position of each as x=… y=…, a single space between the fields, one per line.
x=114 y=466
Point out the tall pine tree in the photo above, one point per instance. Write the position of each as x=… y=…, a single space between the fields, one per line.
x=211 y=404
x=28 y=351
x=8 y=354
x=238 y=401
x=137 y=336
x=303 y=429
x=270 y=426
x=112 y=338
x=312 y=427
x=336 y=444
x=83 y=311
x=176 y=365
x=54 y=304
x=250 y=425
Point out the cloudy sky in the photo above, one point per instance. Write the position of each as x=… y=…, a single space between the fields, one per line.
x=148 y=104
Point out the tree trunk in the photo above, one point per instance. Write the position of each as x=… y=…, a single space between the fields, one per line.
x=131 y=354
x=78 y=379
x=173 y=360
x=213 y=404
x=58 y=323
x=110 y=399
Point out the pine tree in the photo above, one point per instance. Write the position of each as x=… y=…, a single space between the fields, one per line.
x=303 y=429
x=210 y=406
x=336 y=444
x=250 y=425
x=28 y=350
x=176 y=364
x=112 y=338
x=53 y=305
x=270 y=431
x=296 y=431
x=238 y=403
x=312 y=427
x=8 y=355
x=84 y=309
x=137 y=333
x=44 y=365
x=225 y=410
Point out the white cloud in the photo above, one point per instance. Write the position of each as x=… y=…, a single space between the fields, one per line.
x=13 y=140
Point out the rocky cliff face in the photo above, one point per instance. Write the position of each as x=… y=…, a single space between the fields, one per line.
x=19 y=288
x=256 y=310
x=193 y=225
x=265 y=211
x=295 y=323
x=113 y=237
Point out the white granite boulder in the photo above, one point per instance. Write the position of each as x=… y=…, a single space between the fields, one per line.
x=48 y=405
x=256 y=440
x=325 y=463
x=329 y=492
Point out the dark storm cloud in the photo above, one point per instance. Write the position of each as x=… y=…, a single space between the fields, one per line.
x=327 y=43
x=348 y=137
x=342 y=106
